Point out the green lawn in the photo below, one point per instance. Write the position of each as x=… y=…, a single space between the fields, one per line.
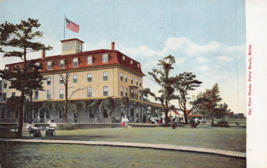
x=233 y=139
x=20 y=155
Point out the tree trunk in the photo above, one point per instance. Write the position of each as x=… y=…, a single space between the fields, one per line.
x=19 y=133
x=185 y=117
x=31 y=109
x=212 y=121
x=166 y=117
x=66 y=101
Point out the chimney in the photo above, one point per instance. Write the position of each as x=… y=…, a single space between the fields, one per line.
x=43 y=53
x=113 y=46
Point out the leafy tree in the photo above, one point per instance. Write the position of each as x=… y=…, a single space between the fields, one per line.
x=186 y=84
x=109 y=105
x=124 y=102
x=161 y=76
x=22 y=37
x=65 y=76
x=94 y=107
x=208 y=102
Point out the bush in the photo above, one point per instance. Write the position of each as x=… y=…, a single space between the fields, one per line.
x=66 y=126
x=222 y=124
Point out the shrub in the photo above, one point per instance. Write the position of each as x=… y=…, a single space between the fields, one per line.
x=222 y=124
x=66 y=126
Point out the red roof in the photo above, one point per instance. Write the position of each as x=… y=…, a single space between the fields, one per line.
x=175 y=112
x=194 y=115
x=115 y=58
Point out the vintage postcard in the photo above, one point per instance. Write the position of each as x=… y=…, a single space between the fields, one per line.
x=132 y=83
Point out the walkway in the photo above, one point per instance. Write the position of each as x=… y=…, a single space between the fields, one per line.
x=134 y=145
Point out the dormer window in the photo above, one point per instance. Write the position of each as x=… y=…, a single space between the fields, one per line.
x=80 y=47
x=62 y=63
x=49 y=65
x=89 y=60
x=75 y=62
x=105 y=58
x=68 y=46
x=64 y=47
x=77 y=47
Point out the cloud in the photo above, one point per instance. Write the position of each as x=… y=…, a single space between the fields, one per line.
x=237 y=48
x=201 y=59
x=204 y=68
x=224 y=58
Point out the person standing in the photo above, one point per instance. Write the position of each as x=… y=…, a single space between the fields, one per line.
x=126 y=122
x=123 y=122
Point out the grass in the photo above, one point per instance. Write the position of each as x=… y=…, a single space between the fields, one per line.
x=54 y=155
x=233 y=139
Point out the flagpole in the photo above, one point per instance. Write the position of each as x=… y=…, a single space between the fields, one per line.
x=64 y=25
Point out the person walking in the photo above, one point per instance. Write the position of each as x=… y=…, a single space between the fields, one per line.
x=123 y=122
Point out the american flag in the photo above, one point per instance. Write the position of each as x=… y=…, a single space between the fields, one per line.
x=72 y=26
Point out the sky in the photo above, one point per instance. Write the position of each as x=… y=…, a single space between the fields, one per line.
x=206 y=37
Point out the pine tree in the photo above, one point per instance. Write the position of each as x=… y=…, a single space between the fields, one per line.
x=22 y=37
x=186 y=84
x=209 y=103
x=161 y=76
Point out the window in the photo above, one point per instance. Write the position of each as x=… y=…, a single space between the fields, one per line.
x=89 y=92
x=75 y=62
x=125 y=77
x=121 y=91
x=138 y=65
x=132 y=93
x=121 y=76
x=62 y=63
x=13 y=94
x=80 y=47
x=89 y=77
x=72 y=45
x=61 y=93
x=48 y=81
x=64 y=47
x=140 y=82
x=105 y=76
x=126 y=92
x=105 y=91
x=136 y=93
x=105 y=58
x=131 y=61
x=4 y=96
x=75 y=78
x=123 y=57
x=5 y=84
x=68 y=46
x=61 y=80
x=49 y=65
x=89 y=60
x=48 y=94
x=131 y=80
x=36 y=95
x=77 y=46
x=136 y=82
